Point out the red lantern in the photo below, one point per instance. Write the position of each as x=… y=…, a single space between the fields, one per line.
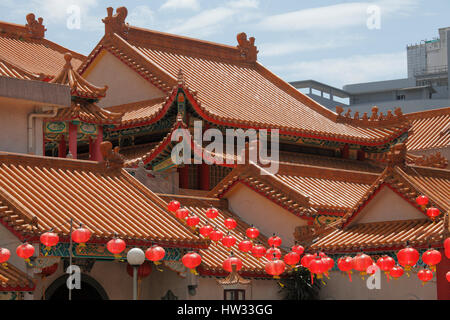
x=292 y=258
x=272 y=253
x=425 y=275
x=192 y=221
x=144 y=270
x=173 y=206
x=361 y=262
x=191 y=260
x=447 y=247
x=182 y=213
x=396 y=272
x=228 y=264
x=216 y=235
x=229 y=241
x=25 y=251
x=275 y=268
x=345 y=264
x=206 y=230
x=258 y=251
x=4 y=255
x=386 y=263
x=116 y=246
x=298 y=249
x=230 y=224
x=318 y=267
x=212 y=213
x=155 y=253
x=408 y=258
x=245 y=246
x=422 y=200
x=329 y=263
x=252 y=233
x=306 y=260
x=448 y=276
x=274 y=241
x=432 y=258
x=81 y=235
x=49 y=239
x=433 y=213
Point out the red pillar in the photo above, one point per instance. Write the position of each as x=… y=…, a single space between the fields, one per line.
x=442 y=285
x=204 y=177
x=184 y=177
x=73 y=132
x=361 y=155
x=346 y=151
x=62 y=148
x=96 y=155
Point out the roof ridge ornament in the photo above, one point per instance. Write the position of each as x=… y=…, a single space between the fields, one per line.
x=35 y=28
x=112 y=159
x=116 y=23
x=375 y=118
x=247 y=48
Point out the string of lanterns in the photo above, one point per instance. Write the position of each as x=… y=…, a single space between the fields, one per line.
x=318 y=264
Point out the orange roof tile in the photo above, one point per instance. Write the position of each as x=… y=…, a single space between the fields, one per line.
x=79 y=87
x=382 y=235
x=139 y=112
x=303 y=187
x=50 y=191
x=88 y=113
x=430 y=129
x=9 y=70
x=227 y=89
x=35 y=55
x=13 y=279
x=213 y=257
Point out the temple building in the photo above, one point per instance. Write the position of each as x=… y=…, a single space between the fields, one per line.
x=93 y=144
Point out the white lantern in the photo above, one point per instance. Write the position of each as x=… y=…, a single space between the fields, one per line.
x=135 y=257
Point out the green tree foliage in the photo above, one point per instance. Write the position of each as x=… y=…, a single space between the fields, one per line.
x=298 y=286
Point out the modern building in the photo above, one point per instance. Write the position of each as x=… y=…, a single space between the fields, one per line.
x=426 y=86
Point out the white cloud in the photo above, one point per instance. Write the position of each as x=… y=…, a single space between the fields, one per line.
x=335 y=16
x=239 y=4
x=141 y=16
x=289 y=47
x=212 y=20
x=180 y=4
x=55 y=12
x=353 y=69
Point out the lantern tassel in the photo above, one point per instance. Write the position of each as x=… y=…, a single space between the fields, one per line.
x=280 y=284
x=5 y=265
x=350 y=276
x=193 y=271
x=312 y=278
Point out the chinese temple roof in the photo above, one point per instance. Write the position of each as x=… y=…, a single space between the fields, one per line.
x=431 y=129
x=227 y=86
x=407 y=181
x=88 y=113
x=13 y=279
x=25 y=47
x=79 y=87
x=9 y=70
x=215 y=255
x=40 y=193
x=381 y=235
x=303 y=189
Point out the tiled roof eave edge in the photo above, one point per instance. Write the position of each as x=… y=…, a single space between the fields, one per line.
x=205 y=114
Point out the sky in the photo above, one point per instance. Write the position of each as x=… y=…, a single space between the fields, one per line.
x=335 y=42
